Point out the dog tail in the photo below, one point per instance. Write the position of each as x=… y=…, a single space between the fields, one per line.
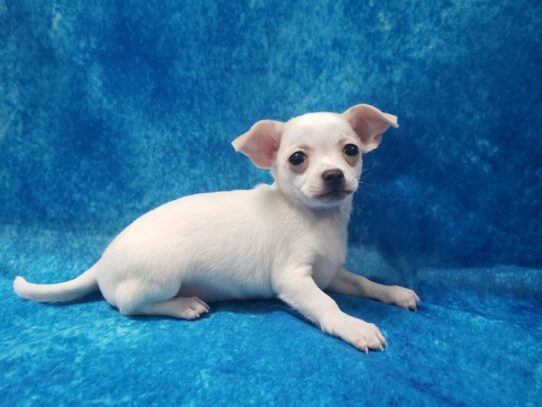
x=61 y=292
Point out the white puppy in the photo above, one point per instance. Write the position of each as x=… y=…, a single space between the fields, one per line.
x=288 y=239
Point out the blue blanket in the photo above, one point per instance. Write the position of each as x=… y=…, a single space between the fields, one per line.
x=110 y=109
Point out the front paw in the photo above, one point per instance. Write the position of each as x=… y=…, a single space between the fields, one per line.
x=362 y=335
x=402 y=297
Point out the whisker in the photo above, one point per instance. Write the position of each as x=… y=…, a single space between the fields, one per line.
x=363 y=179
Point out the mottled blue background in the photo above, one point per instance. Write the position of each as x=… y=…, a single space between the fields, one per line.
x=110 y=108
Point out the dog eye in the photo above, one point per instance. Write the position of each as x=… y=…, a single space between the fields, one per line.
x=351 y=150
x=297 y=158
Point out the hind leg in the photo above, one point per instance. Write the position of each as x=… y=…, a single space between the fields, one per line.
x=135 y=298
x=178 y=307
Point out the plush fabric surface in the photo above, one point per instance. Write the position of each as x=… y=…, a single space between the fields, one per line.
x=473 y=346
x=108 y=109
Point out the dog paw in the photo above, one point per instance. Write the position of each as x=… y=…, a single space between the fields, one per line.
x=369 y=337
x=362 y=335
x=402 y=297
x=190 y=307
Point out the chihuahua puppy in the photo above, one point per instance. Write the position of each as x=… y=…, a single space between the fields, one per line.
x=288 y=239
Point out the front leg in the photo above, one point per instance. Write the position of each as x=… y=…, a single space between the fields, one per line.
x=349 y=283
x=297 y=288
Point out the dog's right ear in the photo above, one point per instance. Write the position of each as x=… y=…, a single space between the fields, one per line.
x=261 y=142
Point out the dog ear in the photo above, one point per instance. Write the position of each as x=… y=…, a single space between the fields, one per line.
x=369 y=124
x=261 y=142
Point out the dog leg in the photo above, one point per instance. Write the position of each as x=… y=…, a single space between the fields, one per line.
x=349 y=283
x=300 y=291
x=179 y=307
x=136 y=298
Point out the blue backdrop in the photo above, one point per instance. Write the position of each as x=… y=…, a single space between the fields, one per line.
x=110 y=108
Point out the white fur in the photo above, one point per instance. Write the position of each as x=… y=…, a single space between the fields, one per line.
x=274 y=240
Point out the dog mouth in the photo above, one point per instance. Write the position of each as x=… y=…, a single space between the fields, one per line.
x=334 y=194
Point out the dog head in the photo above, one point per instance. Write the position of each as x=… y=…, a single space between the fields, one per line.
x=316 y=158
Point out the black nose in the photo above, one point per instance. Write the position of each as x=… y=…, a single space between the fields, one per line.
x=333 y=178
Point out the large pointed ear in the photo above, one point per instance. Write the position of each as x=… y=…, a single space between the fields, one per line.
x=261 y=142
x=369 y=124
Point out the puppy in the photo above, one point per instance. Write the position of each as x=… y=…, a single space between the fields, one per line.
x=285 y=240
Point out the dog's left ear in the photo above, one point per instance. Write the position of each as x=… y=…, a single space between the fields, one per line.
x=369 y=124
x=261 y=142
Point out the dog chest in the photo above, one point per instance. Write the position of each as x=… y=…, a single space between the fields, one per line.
x=329 y=255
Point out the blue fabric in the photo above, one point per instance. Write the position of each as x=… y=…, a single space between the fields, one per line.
x=108 y=109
